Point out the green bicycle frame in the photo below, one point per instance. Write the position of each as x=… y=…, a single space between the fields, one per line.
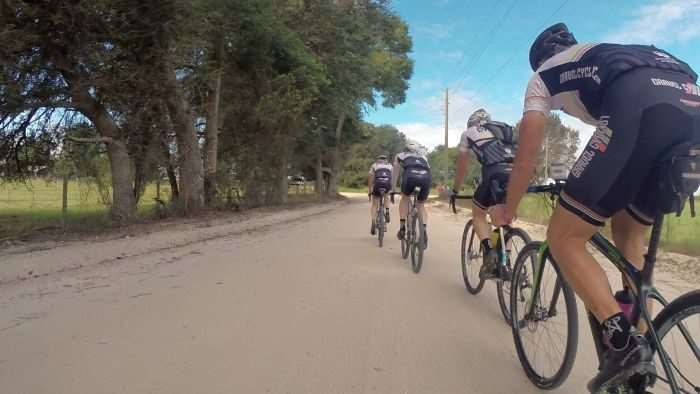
x=642 y=289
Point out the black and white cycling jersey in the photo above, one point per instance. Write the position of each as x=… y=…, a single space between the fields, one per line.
x=487 y=148
x=412 y=160
x=574 y=80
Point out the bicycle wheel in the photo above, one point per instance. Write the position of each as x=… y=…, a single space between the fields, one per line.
x=381 y=226
x=515 y=239
x=472 y=259
x=678 y=329
x=418 y=245
x=546 y=339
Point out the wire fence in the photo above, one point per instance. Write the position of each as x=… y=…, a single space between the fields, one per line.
x=62 y=203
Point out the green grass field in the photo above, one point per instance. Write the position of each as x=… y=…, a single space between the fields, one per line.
x=37 y=204
x=680 y=234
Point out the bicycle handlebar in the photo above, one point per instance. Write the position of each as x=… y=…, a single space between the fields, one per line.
x=458 y=197
x=553 y=188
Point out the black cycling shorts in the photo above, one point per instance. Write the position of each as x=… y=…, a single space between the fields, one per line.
x=381 y=185
x=644 y=113
x=487 y=194
x=416 y=177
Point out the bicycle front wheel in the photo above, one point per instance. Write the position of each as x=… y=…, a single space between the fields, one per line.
x=472 y=259
x=678 y=329
x=418 y=246
x=545 y=322
x=381 y=227
x=516 y=239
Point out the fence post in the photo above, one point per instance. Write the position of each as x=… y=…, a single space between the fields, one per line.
x=64 y=210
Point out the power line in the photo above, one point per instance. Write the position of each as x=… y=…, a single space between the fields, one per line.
x=488 y=43
x=500 y=69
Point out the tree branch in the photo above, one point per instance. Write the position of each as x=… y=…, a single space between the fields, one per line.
x=93 y=140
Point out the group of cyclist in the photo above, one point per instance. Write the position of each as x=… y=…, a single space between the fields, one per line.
x=643 y=101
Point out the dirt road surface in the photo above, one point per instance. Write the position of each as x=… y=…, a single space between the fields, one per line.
x=310 y=305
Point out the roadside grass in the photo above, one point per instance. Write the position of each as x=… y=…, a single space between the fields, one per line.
x=36 y=205
x=680 y=234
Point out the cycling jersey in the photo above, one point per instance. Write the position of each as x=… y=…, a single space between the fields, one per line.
x=575 y=80
x=488 y=149
x=643 y=101
x=381 y=173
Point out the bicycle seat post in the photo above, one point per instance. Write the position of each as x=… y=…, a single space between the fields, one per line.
x=652 y=250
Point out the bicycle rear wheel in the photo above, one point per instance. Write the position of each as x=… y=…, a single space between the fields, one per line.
x=418 y=245
x=406 y=241
x=472 y=259
x=516 y=239
x=678 y=329
x=546 y=339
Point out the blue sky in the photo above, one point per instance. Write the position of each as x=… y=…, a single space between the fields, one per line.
x=479 y=50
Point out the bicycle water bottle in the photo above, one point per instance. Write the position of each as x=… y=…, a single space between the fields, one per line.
x=495 y=239
x=626 y=302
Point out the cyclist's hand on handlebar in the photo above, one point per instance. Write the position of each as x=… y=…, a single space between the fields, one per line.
x=498 y=215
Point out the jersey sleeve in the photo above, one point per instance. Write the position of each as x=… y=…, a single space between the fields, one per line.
x=537 y=97
x=371 y=170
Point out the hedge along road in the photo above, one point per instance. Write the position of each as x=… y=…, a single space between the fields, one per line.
x=305 y=306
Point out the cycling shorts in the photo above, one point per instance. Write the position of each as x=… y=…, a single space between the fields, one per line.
x=416 y=177
x=486 y=194
x=644 y=113
x=381 y=185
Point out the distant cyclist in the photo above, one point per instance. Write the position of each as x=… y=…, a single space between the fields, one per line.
x=492 y=144
x=643 y=101
x=414 y=169
x=379 y=179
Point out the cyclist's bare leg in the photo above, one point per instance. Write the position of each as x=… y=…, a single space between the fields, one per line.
x=403 y=206
x=630 y=237
x=373 y=207
x=481 y=225
x=422 y=211
x=567 y=235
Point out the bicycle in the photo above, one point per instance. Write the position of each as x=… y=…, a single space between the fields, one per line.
x=414 y=241
x=379 y=223
x=472 y=258
x=535 y=310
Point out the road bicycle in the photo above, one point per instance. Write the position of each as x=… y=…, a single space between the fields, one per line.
x=414 y=240
x=379 y=222
x=507 y=241
x=545 y=318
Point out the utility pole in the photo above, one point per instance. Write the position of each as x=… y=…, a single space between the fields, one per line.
x=447 y=119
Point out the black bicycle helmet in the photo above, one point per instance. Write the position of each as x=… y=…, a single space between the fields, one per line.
x=551 y=41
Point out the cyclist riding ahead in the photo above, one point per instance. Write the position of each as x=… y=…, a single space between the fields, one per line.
x=492 y=144
x=379 y=179
x=643 y=102
x=415 y=172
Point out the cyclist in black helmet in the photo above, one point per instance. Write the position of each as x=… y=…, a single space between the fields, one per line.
x=643 y=101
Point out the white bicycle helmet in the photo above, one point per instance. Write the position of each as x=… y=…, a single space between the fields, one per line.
x=478 y=117
x=412 y=147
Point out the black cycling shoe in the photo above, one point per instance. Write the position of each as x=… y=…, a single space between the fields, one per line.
x=619 y=365
x=373 y=229
x=402 y=233
x=489 y=268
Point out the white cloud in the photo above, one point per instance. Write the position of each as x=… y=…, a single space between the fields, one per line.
x=663 y=22
x=427 y=84
x=435 y=30
x=451 y=55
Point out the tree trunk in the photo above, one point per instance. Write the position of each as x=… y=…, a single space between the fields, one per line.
x=211 y=143
x=283 y=158
x=123 y=200
x=335 y=169
x=319 y=176
x=190 y=159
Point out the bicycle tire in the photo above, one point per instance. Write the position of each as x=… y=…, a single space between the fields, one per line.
x=519 y=325
x=381 y=227
x=475 y=285
x=406 y=242
x=418 y=244
x=502 y=286
x=675 y=313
